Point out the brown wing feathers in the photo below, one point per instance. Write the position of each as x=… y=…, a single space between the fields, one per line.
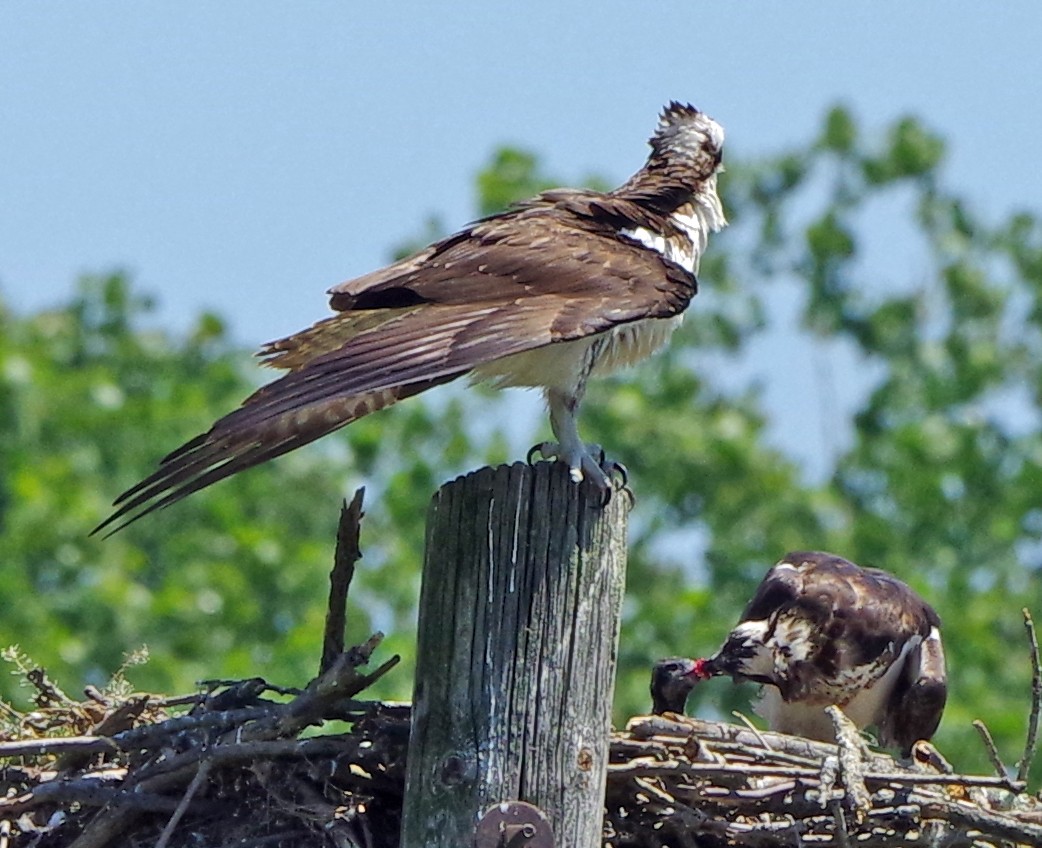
x=370 y=372
x=365 y=359
x=214 y=455
x=858 y=614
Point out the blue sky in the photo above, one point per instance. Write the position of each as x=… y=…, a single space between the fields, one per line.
x=245 y=156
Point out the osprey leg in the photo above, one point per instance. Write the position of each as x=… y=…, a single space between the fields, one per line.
x=585 y=462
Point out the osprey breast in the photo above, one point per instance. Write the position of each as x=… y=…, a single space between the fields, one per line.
x=565 y=365
x=628 y=344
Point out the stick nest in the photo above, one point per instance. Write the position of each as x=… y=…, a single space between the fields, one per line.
x=241 y=763
x=233 y=765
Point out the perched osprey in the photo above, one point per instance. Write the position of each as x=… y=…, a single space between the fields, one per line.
x=821 y=631
x=563 y=286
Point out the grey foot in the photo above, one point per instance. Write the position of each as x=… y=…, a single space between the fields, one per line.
x=588 y=464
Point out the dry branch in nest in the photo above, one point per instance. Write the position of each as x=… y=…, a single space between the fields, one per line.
x=683 y=782
x=236 y=764
x=244 y=775
x=234 y=769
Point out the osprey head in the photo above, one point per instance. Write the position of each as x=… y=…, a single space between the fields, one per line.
x=744 y=654
x=672 y=680
x=689 y=138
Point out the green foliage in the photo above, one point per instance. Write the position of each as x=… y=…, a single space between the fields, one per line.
x=938 y=480
x=511 y=176
x=840 y=132
x=515 y=175
x=90 y=399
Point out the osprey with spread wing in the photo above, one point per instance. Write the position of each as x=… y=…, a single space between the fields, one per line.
x=564 y=286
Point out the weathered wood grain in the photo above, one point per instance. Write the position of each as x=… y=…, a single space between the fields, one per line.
x=518 y=636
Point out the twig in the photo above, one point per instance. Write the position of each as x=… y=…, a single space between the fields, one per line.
x=48 y=693
x=285 y=837
x=346 y=555
x=340 y=682
x=840 y=819
x=852 y=754
x=721 y=734
x=106 y=826
x=676 y=768
x=200 y=778
x=714 y=771
x=238 y=693
x=267 y=721
x=58 y=746
x=993 y=752
x=95 y=791
x=913 y=779
x=988 y=823
x=235 y=752
x=744 y=719
x=1031 y=742
x=148 y=736
x=827 y=780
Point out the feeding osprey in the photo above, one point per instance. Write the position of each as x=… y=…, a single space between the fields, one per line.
x=819 y=631
x=563 y=286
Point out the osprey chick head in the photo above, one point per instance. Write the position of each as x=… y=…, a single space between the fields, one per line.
x=672 y=680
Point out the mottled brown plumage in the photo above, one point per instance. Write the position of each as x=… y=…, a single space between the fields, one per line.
x=821 y=630
x=563 y=286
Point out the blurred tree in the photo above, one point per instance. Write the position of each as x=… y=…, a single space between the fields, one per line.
x=90 y=398
x=938 y=480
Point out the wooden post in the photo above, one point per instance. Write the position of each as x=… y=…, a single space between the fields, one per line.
x=518 y=638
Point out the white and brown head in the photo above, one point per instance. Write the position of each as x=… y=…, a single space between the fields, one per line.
x=686 y=135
